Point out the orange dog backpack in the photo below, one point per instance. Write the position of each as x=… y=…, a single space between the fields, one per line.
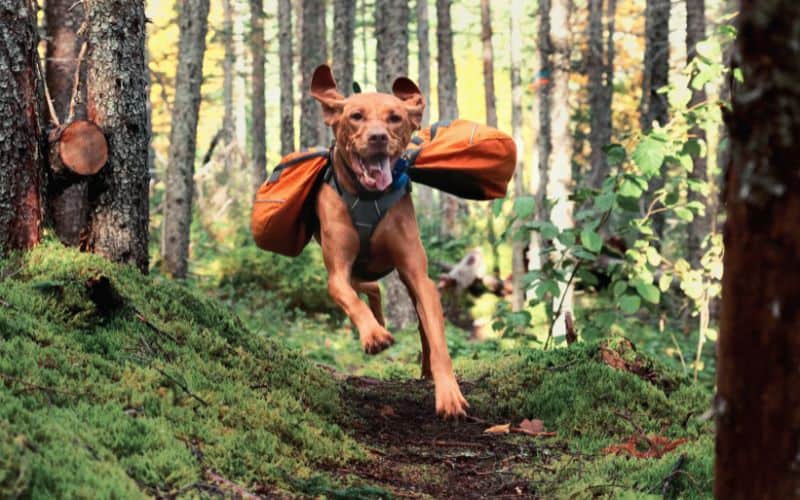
x=459 y=157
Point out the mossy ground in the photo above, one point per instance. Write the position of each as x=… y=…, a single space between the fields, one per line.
x=116 y=384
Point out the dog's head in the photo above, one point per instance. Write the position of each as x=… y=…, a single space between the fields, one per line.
x=372 y=129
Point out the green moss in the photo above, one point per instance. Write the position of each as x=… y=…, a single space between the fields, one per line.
x=117 y=384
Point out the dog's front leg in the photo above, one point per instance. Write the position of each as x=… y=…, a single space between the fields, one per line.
x=374 y=337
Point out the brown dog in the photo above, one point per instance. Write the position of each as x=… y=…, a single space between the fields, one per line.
x=372 y=131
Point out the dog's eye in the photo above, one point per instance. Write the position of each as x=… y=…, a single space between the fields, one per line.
x=357 y=117
x=395 y=119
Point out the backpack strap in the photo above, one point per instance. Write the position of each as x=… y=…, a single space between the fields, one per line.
x=311 y=153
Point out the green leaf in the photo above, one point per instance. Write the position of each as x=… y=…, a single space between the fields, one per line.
x=567 y=237
x=619 y=288
x=648 y=292
x=548 y=230
x=710 y=49
x=615 y=154
x=664 y=282
x=629 y=304
x=684 y=214
x=653 y=257
x=649 y=155
x=524 y=206
x=630 y=189
x=549 y=286
x=712 y=334
x=497 y=207
x=591 y=240
x=605 y=201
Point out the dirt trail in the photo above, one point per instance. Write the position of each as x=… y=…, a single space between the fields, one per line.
x=417 y=455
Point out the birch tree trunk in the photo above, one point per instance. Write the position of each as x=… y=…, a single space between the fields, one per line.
x=559 y=178
x=21 y=151
x=117 y=102
x=286 y=56
x=601 y=85
x=700 y=226
x=424 y=193
x=183 y=136
x=344 y=27
x=66 y=192
x=391 y=33
x=758 y=402
x=259 y=105
x=314 y=52
x=518 y=248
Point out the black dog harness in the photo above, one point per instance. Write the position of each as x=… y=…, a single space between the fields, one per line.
x=367 y=209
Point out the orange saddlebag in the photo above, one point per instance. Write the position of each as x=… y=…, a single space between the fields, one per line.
x=465 y=159
x=283 y=218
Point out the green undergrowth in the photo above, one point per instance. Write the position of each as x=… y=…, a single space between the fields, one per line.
x=115 y=384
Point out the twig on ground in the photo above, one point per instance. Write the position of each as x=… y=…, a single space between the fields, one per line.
x=676 y=469
x=181 y=385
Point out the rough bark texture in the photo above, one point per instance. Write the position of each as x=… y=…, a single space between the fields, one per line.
x=344 y=27
x=559 y=177
x=544 y=85
x=20 y=130
x=391 y=33
x=488 y=61
x=758 y=401
x=448 y=102
x=600 y=65
x=314 y=52
x=183 y=136
x=424 y=193
x=517 y=247
x=258 y=110
x=117 y=102
x=286 y=56
x=67 y=194
x=700 y=226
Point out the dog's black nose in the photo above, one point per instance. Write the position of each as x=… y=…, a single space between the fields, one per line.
x=378 y=138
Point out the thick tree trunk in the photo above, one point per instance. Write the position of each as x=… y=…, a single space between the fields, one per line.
x=314 y=52
x=424 y=193
x=559 y=177
x=601 y=85
x=67 y=192
x=183 y=137
x=391 y=33
x=258 y=110
x=286 y=55
x=700 y=226
x=117 y=102
x=21 y=149
x=518 y=247
x=344 y=28
x=758 y=401
x=448 y=103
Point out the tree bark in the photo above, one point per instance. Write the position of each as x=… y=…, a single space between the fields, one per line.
x=654 y=106
x=758 y=402
x=117 y=102
x=600 y=65
x=559 y=177
x=344 y=27
x=448 y=103
x=314 y=52
x=21 y=150
x=67 y=193
x=700 y=226
x=518 y=247
x=183 y=137
x=287 y=75
x=424 y=193
x=391 y=33
x=488 y=60
x=259 y=105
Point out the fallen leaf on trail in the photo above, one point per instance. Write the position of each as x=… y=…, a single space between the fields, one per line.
x=651 y=446
x=387 y=411
x=535 y=426
x=499 y=429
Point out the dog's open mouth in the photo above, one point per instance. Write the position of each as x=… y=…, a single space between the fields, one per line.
x=373 y=172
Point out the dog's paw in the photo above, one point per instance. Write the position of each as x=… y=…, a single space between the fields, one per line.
x=450 y=403
x=376 y=340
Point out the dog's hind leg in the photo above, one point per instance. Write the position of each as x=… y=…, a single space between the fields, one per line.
x=373 y=292
x=423 y=337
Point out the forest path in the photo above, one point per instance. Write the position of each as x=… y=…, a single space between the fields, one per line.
x=416 y=454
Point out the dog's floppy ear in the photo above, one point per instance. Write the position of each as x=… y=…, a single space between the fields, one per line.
x=323 y=89
x=408 y=92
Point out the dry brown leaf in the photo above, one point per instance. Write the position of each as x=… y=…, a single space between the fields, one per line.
x=499 y=429
x=533 y=426
x=387 y=411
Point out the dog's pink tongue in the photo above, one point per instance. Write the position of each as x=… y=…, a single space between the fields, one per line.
x=380 y=170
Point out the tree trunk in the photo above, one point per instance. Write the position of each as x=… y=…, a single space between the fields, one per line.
x=258 y=111
x=183 y=137
x=600 y=65
x=20 y=130
x=758 y=402
x=448 y=103
x=488 y=60
x=424 y=193
x=117 y=102
x=67 y=192
x=391 y=33
x=517 y=247
x=314 y=52
x=344 y=28
x=287 y=75
x=700 y=226
x=654 y=106
x=559 y=177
